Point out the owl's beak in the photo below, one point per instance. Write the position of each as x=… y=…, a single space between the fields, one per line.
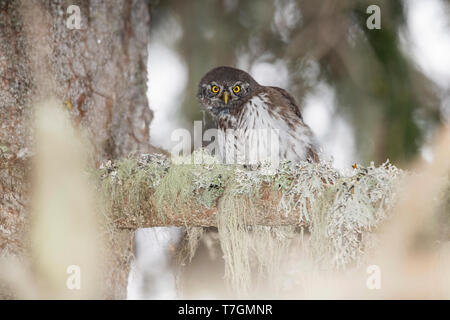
x=226 y=97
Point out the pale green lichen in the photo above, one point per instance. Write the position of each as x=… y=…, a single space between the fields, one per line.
x=191 y=182
x=302 y=184
x=128 y=184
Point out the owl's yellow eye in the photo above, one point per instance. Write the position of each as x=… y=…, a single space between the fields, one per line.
x=215 y=89
x=236 y=89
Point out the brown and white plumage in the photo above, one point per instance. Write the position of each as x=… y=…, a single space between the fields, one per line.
x=252 y=107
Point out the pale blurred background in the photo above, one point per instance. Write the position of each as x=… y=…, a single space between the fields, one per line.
x=368 y=95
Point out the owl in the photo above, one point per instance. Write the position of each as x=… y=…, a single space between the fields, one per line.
x=255 y=123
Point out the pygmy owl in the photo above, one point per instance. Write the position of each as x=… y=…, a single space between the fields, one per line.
x=254 y=120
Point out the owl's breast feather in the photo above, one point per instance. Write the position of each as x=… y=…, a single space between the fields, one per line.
x=257 y=123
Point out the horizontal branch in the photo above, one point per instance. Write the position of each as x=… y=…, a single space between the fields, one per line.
x=151 y=191
x=198 y=216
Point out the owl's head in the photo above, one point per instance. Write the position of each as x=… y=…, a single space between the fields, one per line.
x=224 y=88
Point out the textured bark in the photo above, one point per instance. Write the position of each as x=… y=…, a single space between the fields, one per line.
x=265 y=213
x=15 y=112
x=97 y=72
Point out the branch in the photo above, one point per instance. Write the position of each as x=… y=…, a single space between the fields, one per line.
x=150 y=191
x=199 y=216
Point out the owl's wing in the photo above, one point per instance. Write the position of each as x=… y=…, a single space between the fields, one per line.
x=287 y=99
x=291 y=101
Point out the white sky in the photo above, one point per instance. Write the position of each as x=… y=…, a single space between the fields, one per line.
x=166 y=84
x=428 y=38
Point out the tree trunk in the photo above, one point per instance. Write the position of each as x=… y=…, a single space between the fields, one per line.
x=98 y=72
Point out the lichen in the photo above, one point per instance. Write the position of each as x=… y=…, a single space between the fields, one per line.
x=338 y=209
x=128 y=184
x=197 y=180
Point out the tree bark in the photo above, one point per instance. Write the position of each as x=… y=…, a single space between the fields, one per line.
x=97 y=72
x=266 y=213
